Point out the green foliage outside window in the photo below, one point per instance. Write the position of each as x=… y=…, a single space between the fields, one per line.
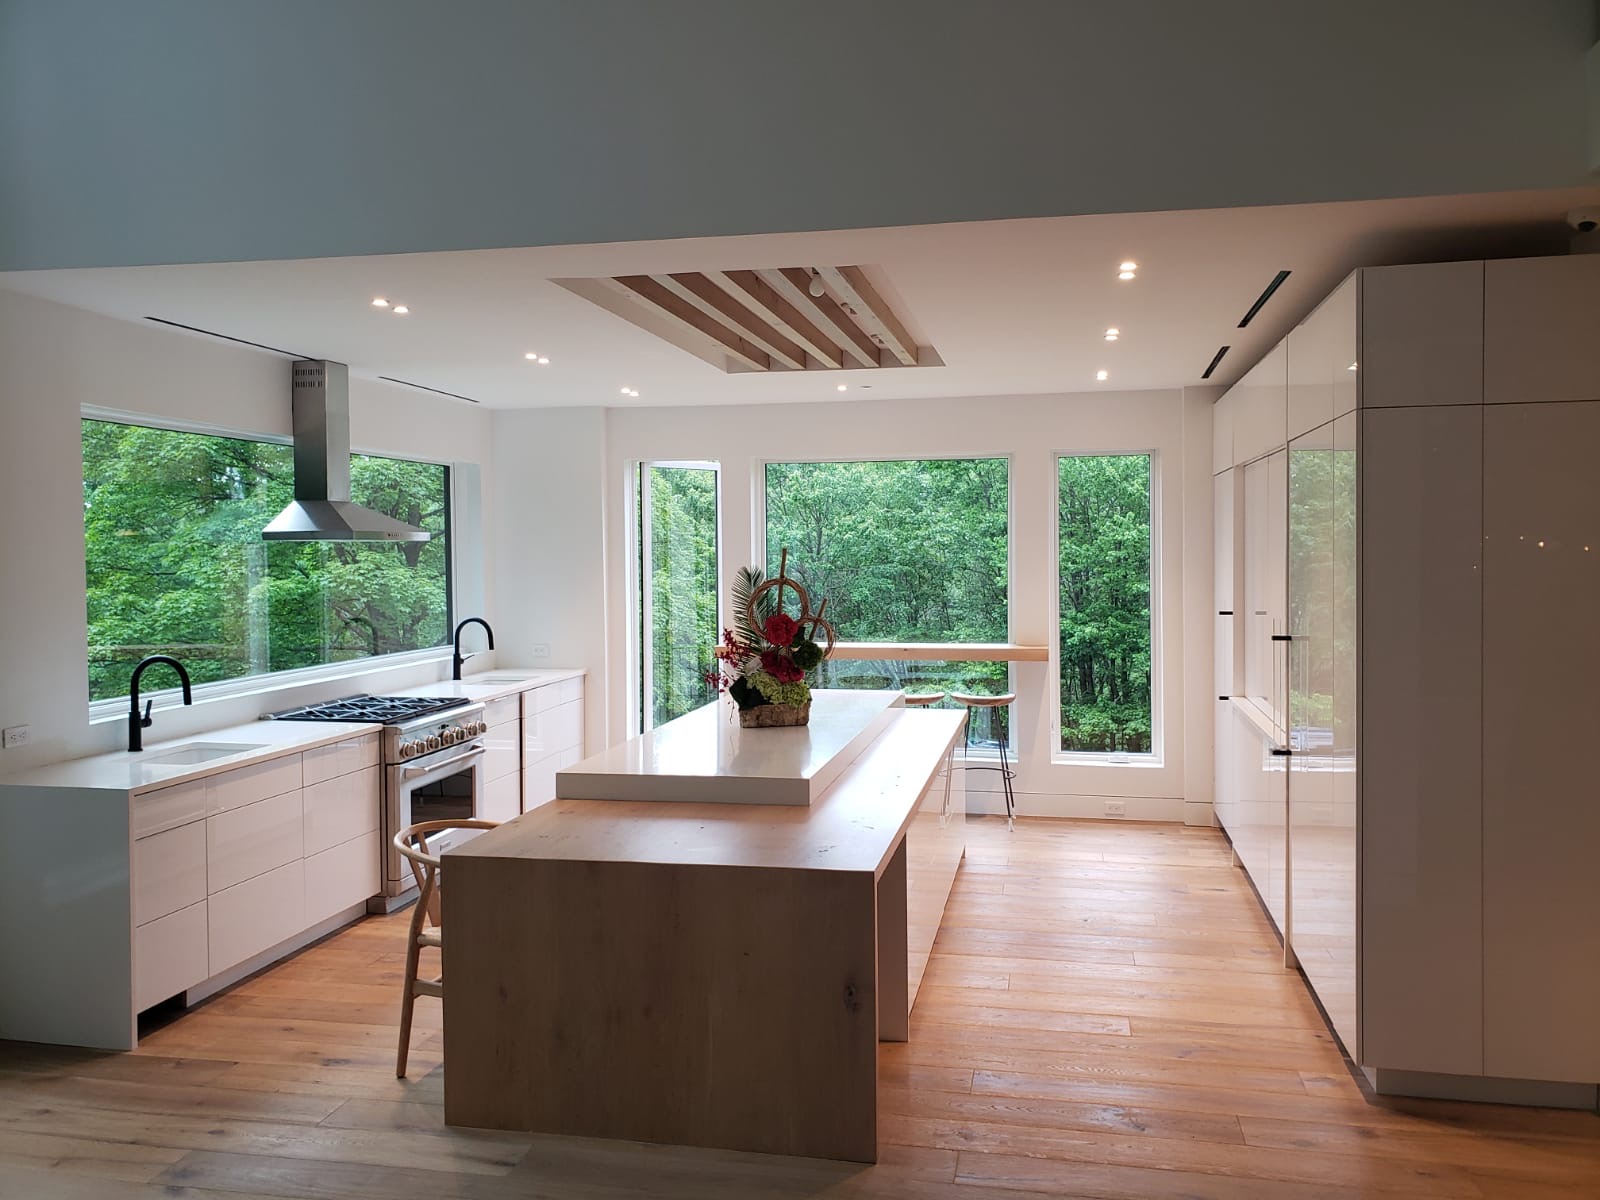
x=679 y=573
x=175 y=563
x=1104 y=576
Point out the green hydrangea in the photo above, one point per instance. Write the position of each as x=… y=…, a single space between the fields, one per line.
x=806 y=653
x=780 y=693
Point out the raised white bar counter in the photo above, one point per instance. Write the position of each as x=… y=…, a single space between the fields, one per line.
x=704 y=757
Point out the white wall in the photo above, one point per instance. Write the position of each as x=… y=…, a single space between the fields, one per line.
x=185 y=131
x=53 y=361
x=562 y=488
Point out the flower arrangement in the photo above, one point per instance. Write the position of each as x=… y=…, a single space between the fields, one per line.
x=763 y=666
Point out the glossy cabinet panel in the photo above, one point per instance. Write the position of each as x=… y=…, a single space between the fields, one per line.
x=936 y=841
x=168 y=808
x=1422 y=335
x=247 y=785
x=340 y=758
x=1225 y=592
x=341 y=877
x=1540 y=316
x=1421 y=715
x=1322 y=349
x=1266 y=488
x=339 y=809
x=502 y=797
x=1222 y=432
x=1541 y=716
x=1224 y=795
x=169 y=956
x=1260 y=415
x=256 y=915
x=245 y=842
x=169 y=871
x=1259 y=814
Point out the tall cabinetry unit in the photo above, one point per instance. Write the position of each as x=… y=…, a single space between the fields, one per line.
x=1441 y=525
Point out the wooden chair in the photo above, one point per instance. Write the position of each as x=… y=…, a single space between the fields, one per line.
x=412 y=842
x=1007 y=772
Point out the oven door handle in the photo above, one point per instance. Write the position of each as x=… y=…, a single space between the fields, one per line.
x=409 y=773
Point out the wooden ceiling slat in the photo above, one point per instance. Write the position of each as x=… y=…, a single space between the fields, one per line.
x=851 y=285
x=719 y=305
x=750 y=288
x=794 y=282
x=674 y=306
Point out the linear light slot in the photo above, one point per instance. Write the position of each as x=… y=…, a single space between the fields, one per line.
x=1215 y=359
x=227 y=337
x=422 y=387
x=1277 y=282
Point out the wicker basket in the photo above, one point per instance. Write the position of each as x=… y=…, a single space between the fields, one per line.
x=774 y=716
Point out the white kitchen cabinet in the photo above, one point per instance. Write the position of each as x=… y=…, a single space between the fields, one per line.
x=1541 y=710
x=1260 y=414
x=339 y=758
x=539 y=780
x=168 y=807
x=254 y=916
x=1225 y=592
x=1224 y=795
x=502 y=797
x=247 y=785
x=245 y=842
x=342 y=876
x=552 y=737
x=1265 y=590
x=169 y=871
x=1539 y=330
x=1222 y=432
x=341 y=808
x=1422 y=335
x=170 y=955
x=502 y=750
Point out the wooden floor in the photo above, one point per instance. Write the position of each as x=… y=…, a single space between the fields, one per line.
x=1104 y=1015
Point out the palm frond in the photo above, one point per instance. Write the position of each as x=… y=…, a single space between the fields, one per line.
x=745 y=582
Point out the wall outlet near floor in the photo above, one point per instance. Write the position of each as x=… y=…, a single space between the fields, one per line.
x=541 y=650
x=17 y=735
x=1116 y=808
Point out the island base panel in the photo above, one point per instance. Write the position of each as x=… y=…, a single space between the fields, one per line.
x=728 y=1007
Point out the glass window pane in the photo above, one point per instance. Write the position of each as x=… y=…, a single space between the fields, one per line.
x=1104 y=576
x=678 y=592
x=175 y=563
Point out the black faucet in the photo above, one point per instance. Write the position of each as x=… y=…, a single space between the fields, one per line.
x=137 y=724
x=455 y=670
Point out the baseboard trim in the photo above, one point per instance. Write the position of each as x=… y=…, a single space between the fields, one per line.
x=267 y=957
x=1483 y=1089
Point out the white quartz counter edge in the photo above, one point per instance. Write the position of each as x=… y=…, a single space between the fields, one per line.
x=134 y=773
x=493 y=685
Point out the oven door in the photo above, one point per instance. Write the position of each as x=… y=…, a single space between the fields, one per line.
x=443 y=786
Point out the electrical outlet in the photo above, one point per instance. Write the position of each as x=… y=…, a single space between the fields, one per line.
x=17 y=735
x=1116 y=808
x=541 y=649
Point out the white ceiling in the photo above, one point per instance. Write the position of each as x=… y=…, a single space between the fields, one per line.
x=1013 y=307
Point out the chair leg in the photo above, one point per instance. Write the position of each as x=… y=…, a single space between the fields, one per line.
x=1005 y=782
x=408 y=999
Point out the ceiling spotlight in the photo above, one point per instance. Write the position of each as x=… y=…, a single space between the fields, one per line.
x=401 y=309
x=1130 y=265
x=1124 y=274
x=841 y=387
x=627 y=391
x=1102 y=376
x=816 y=287
x=543 y=361
x=531 y=356
x=379 y=302
x=1113 y=334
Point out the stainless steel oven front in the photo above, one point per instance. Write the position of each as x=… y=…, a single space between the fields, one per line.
x=442 y=784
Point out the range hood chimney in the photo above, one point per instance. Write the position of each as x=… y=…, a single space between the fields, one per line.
x=322 y=510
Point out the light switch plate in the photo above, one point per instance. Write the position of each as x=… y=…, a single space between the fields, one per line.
x=1116 y=808
x=541 y=649
x=17 y=735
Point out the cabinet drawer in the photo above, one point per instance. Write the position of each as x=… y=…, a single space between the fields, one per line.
x=340 y=758
x=255 y=915
x=498 y=712
x=155 y=811
x=337 y=810
x=169 y=871
x=539 y=779
x=235 y=789
x=248 y=841
x=504 y=756
x=342 y=876
x=559 y=728
x=169 y=955
x=502 y=798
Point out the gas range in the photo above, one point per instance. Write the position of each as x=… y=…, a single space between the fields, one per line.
x=413 y=725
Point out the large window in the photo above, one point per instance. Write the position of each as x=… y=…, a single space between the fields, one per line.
x=677 y=619
x=1103 y=507
x=175 y=563
x=907 y=550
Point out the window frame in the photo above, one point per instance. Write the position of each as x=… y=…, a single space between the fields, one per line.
x=115 y=708
x=637 y=658
x=1157 y=756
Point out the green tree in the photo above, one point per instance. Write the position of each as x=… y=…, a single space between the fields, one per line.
x=681 y=570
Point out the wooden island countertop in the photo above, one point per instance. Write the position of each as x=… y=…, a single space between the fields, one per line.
x=707 y=974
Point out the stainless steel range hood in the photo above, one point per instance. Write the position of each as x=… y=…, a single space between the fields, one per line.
x=322 y=510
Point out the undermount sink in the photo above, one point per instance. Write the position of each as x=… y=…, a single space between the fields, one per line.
x=199 y=752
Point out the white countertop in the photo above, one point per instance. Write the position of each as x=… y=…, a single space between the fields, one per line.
x=493 y=685
x=705 y=756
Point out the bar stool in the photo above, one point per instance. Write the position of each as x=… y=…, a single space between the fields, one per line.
x=412 y=842
x=1007 y=774
x=925 y=700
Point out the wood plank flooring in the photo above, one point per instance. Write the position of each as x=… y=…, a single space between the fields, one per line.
x=1104 y=1015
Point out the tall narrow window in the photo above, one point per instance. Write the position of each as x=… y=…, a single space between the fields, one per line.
x=1103 y=513
x=677 y=619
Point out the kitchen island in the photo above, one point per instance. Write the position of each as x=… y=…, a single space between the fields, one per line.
x=712 y=974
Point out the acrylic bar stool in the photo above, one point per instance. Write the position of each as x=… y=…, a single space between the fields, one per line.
x=1007 y=774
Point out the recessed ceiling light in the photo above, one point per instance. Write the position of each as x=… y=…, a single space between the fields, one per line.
x=841 y=387
x=401 y=308
x=1130 y=265
x=1102 y=375
x=379 y=302
x=1124 y=274
x=627 y=391
x=1113 y=334
x=531 y=356
x=543 y=361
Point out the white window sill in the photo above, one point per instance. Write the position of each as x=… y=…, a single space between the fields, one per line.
x=1096 y=758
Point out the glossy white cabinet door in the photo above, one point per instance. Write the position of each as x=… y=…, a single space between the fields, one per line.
x=1539 y=328
x=256 y=915
x=247 y=785
x=1421 y=721
x=341 y=808
x=1260 y=815
x=168 y=808
x=1264 y=577
x=169 y=871
x=1260 y=415
x=339 y=758
x=244 y=842
x=539 y=779
x=1541 y=819
x=502 y=797
x=552 y=729
x=1222 y=431
x=1321 y=350
x=1422 y=335
x=341 y=877
x=503 y=750
x=1224 y=798
x=170 y=955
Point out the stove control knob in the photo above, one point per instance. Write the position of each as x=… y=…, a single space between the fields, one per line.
x=452 y=735
x=479 y=727
x=433 y=742
x=403 y=749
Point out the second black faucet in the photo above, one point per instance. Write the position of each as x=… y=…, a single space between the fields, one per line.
x=459 y=661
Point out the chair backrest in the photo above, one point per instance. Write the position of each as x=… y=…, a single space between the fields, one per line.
x=412 y=842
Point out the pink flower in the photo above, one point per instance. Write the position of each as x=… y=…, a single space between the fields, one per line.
x=780 y=629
